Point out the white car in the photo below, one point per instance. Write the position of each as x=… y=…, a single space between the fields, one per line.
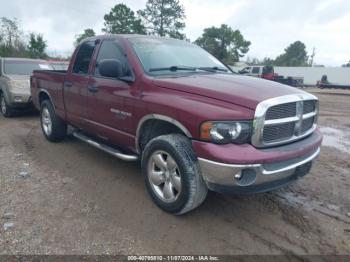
x=14 y=82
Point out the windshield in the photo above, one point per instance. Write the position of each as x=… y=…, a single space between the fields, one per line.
x=161 y=56
x=24 y=67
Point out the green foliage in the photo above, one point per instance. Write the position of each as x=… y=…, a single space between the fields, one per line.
x=37 y=46
x=87 y=33
x=122 y=20
x=268 y=61
x=294 y=55
x=164 y=18
x=346 y=65
x=224 y=43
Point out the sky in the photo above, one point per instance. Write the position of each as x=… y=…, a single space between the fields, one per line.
x=271 y=25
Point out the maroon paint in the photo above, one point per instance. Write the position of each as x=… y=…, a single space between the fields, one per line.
x=189 y=100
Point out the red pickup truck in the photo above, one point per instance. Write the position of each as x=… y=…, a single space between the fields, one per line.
x=192 y=123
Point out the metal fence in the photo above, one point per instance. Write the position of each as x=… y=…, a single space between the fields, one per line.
x=338 y=75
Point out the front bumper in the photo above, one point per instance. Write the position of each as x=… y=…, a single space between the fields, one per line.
x=266 y=170
x=254 y=178
x=19 y=99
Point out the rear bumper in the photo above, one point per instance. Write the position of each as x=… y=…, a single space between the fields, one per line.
x=266 y=170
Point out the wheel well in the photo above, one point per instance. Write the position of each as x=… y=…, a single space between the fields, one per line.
x=153 y=128
x=43 y=96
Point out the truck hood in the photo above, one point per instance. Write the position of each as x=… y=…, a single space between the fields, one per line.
x=240 y=90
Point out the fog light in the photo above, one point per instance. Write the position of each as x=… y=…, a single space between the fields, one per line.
x=18 y=99
x=238 y=176
x=246 y=178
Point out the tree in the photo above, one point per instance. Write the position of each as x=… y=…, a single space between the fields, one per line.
x=122 y=20
x=346 y=65
x=164 y=18
x=224 y=43
x=294 y=55
x=10 y=32
x=268 y=61
x=11 y=38
x=87 y=33
x=37 y=46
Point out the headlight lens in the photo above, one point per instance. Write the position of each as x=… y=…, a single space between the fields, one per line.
x=20 y=84
x=238 y=132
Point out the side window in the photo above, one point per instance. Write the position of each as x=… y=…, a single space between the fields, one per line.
x=83 y=58
x=111 y=49
x=256 y=70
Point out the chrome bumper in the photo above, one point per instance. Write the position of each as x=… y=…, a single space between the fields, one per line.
x=252 y=174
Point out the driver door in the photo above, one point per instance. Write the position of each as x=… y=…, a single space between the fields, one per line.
x=109 y=116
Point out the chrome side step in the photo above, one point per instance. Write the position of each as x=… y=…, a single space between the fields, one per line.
x=112 y=151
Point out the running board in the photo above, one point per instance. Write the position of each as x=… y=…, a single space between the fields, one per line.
x=112 y=151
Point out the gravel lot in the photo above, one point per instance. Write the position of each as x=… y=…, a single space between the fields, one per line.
x=70 y=198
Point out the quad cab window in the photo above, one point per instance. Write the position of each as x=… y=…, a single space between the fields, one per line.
x=83 y=58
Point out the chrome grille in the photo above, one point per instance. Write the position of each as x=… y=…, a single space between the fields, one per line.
x=307 y=124
x=284 y=119
x=281 y=111
x=283 y=131
x=309 y=106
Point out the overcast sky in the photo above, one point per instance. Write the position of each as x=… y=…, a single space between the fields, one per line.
x=270 y=25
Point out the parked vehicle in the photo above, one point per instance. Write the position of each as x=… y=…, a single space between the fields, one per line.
x=324 y=83
x=192 y=123
x=268 y=72
x=14 y=83
x=59 y=64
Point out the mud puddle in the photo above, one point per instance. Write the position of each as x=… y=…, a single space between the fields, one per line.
x=336 y=138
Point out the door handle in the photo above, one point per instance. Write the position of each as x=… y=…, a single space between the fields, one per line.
x=68 y=84
x=93 y=89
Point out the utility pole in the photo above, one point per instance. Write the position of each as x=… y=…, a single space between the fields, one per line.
x=312 y=56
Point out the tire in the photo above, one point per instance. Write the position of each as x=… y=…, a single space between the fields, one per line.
x=6 y=111
x=172 y=175
x=54 y=129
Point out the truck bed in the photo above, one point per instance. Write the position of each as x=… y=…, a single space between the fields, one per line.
x=52 y=81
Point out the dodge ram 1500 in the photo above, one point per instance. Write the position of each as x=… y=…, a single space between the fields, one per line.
x=193 y=124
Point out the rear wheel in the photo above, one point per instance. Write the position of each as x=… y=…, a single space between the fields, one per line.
x=5 y=109
x=172 y=175
x=52 y=126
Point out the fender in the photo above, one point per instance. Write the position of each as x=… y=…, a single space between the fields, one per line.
x=41 y=90
x=158 y=117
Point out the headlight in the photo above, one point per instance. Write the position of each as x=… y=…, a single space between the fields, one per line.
x=20 y=84
x=238 y=132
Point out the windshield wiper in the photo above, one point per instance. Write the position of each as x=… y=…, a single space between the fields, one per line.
x=188 y=68
x=214 y=68
x=173 y=68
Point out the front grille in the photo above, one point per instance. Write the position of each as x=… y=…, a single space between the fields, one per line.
x=307 y=124
x=284 y=119
x=309 y=106
x=281 y=111
x=278 y=132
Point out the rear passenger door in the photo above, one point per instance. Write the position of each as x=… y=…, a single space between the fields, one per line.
x=75 y=86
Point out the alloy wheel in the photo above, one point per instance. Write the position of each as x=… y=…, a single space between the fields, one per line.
x=164 y=176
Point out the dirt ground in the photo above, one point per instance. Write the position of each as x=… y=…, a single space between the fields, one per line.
x=70 y=198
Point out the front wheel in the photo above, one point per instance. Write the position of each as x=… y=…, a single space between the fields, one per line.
x=52 y=126
x=5 y=109
x=172 y=175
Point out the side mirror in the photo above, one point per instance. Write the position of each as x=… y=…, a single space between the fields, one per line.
x=110 y=68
